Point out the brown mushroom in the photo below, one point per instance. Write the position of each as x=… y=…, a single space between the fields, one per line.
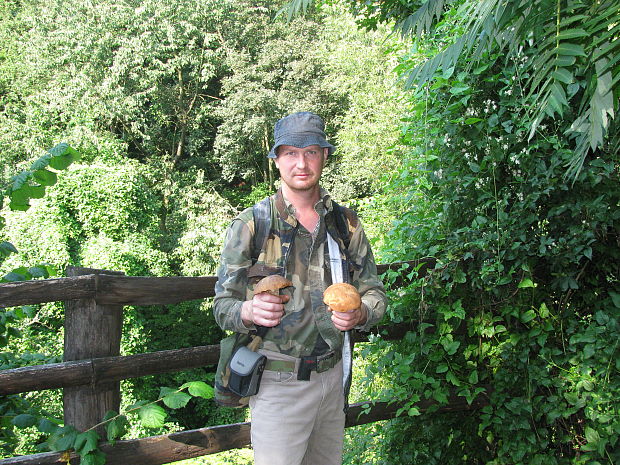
x=272 y=284
x=342 y=297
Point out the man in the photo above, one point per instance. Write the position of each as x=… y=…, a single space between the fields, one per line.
x=297 y=421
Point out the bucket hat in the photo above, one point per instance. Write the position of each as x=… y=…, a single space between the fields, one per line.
x=300 y=130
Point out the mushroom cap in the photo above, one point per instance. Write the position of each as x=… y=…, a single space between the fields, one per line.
x=342 y=297
x=272 y=284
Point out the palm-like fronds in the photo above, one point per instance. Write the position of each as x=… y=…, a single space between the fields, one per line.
x=573 y=65
x=295 y=8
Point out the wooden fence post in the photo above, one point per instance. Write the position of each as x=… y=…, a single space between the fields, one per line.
x=91 y=330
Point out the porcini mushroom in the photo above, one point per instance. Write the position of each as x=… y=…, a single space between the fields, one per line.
x=342 y=297
x=272 y=284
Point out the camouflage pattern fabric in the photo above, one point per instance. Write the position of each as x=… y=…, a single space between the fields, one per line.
x=306 y=316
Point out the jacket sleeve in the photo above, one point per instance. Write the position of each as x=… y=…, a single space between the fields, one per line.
x=232 y=278
x=365 y=278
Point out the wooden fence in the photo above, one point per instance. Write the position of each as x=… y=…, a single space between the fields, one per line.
x=92 y=369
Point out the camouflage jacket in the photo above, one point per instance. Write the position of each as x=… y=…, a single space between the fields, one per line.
x=307 y=322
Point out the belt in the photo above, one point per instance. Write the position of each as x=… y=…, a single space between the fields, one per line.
x=318 y=363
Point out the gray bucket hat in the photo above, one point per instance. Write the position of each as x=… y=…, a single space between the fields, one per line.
x=300 y=130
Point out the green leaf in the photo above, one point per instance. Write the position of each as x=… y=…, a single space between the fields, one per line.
x=42 y=162
x=472 y=120
x=561 y=61
x=86 y=442
x=19 y=206
x=20 y=196
x=451 y=377
x=116 y=427
x=6 y=248
x=13 y=277
x=13 y=332
x=152 y=416
x=568 y=49
x=174 y=398
x=61 y=162
x=592 y=436
x=48 y=426
x=45 y=177
x=93 y=458
x=24 y=420
x=615 y=298
x=38 y=272
x=413 y=412
x=528 y=316
x=527 y=282
x=442 y=368
x=459 y=89
x=570 y=34
x=63 y=439
x=199 y=389
x=563 y=75
x=37 y=192
x=62 y=156
x=20 y=180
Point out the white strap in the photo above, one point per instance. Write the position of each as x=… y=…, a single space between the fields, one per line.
x=335 y=262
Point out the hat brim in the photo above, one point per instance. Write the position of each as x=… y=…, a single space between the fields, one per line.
x=300 y=141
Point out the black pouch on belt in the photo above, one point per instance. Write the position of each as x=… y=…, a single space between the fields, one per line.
x=246 y=371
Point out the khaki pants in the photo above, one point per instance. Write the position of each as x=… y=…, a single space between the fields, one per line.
x=298 y=422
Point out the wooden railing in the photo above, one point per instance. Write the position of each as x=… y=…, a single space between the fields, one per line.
x=92 y=367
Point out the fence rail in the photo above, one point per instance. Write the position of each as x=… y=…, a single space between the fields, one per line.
x=92 y=366
x=156 y=450
x=102 y=370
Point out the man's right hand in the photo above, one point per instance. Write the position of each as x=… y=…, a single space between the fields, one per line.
x=264 y=310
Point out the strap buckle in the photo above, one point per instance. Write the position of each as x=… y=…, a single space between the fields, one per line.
x=306 y=365
x=318 y=363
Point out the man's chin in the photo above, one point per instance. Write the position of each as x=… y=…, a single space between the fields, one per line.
x=303 y=186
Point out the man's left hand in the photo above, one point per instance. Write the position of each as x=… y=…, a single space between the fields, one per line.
x=344 y=321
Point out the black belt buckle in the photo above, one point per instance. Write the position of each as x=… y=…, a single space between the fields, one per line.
x=306 y=365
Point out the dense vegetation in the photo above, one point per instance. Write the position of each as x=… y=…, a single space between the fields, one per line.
x=511 y=183
x=171 y=108
x=498 y=157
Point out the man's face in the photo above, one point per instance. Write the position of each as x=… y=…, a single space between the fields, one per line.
x=301 y=168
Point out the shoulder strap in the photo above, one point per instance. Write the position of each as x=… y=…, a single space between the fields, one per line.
x=341 y=224
x=262 y=226
x=338 y=227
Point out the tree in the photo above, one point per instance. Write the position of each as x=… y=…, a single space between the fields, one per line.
x=569 y=54
x=273 y=69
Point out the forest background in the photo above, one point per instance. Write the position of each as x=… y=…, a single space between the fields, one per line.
x=484 y=136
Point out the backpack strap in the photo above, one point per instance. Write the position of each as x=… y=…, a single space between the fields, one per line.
x=338 y=226
x=341 y=224
x=265 y=215
x=262 y=227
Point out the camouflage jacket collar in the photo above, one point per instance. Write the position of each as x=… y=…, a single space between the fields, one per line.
x=287 y=211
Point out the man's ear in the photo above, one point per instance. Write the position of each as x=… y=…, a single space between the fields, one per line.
x=325 y=155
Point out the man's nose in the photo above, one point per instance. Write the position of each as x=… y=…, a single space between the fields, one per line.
x=301 y=160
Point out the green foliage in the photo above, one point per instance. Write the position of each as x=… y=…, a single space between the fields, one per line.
x=27 y=185
x=274 y=68
x=65 y=438
x=567 y=53
x=521 y=309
